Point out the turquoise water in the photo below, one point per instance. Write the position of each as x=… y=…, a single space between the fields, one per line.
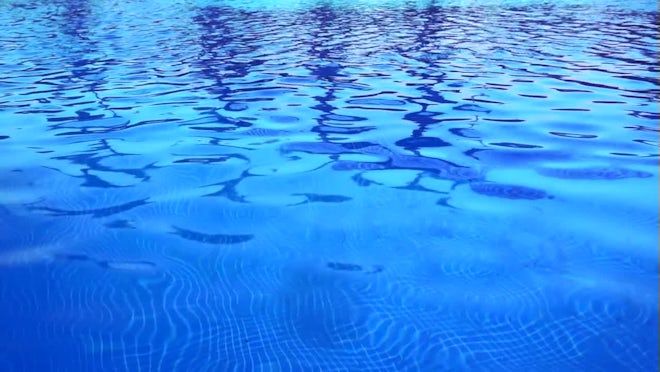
x=329 y=185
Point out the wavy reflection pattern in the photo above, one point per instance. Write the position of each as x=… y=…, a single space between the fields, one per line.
x=328 y=185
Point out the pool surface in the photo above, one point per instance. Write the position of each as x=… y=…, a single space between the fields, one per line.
x=329 y=185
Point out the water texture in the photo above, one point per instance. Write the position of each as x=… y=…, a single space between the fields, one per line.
x=329 y=185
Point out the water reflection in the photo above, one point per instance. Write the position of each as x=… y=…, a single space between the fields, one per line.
x=392 y=185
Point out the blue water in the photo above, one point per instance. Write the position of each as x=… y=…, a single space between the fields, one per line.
x=329 y=185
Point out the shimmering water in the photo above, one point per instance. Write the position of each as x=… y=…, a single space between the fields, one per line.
x=328 y=186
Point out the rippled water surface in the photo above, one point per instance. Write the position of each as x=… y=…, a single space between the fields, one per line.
x=328 y=185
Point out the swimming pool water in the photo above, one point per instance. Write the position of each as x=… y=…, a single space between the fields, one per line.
x=329 y=185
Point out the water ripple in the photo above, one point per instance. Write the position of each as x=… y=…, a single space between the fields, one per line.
x=329 y=185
